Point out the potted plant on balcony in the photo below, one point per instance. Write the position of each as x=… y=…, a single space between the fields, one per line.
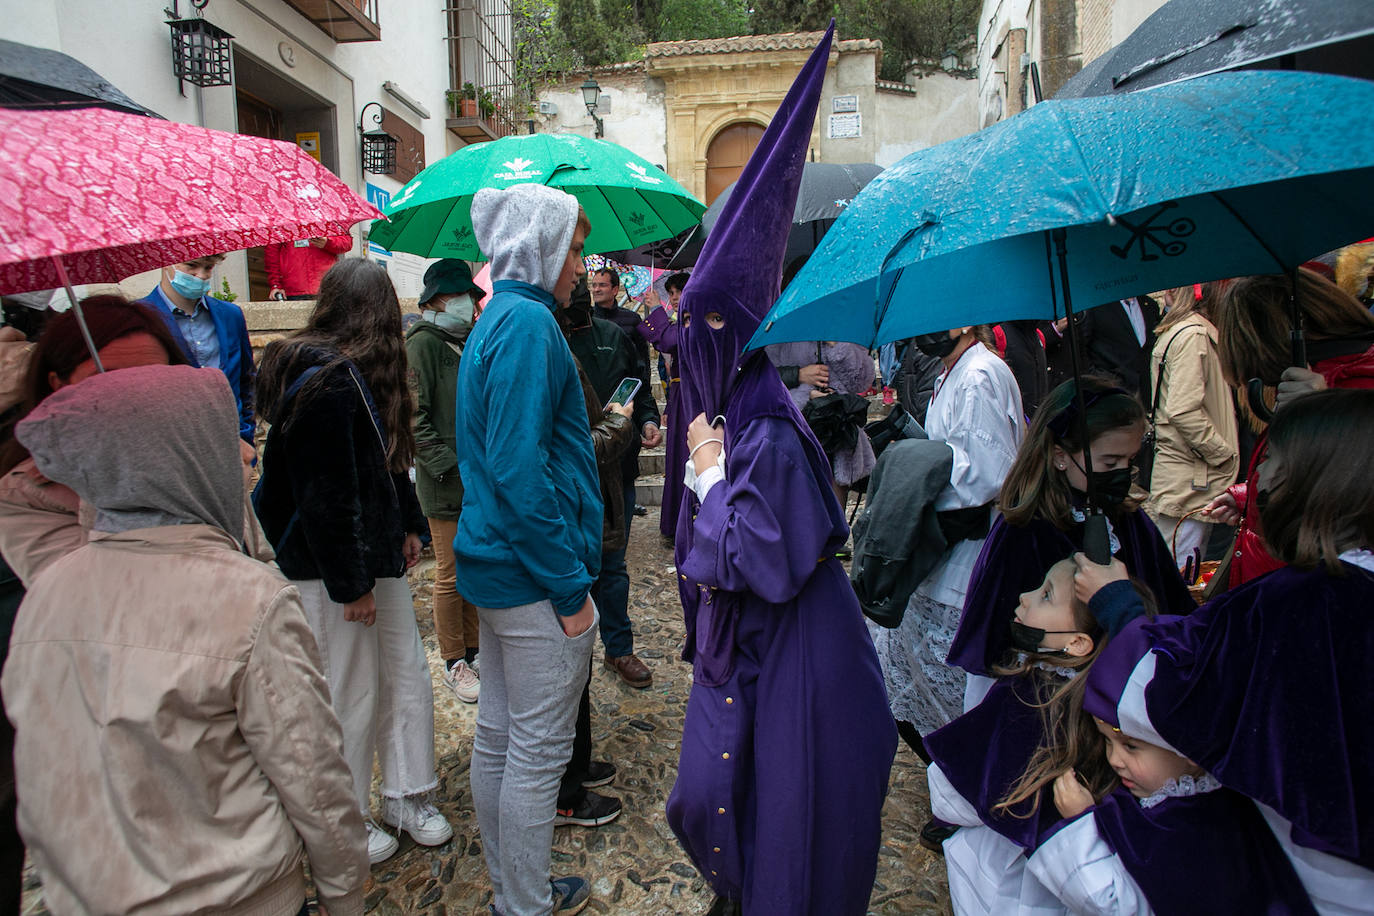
x=462 y=103
x=486 y=104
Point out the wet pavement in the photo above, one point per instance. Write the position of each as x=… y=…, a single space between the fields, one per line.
x=635 y=864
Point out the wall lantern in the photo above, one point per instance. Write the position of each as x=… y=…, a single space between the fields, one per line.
x=591 y=92
x=379 y=147
x=200 y=52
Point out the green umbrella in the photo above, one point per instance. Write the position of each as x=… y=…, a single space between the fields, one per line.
x=629 y=201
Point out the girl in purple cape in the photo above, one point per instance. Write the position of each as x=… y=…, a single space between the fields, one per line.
x=1268 y=686
x=787 y=741
x=1042 y=513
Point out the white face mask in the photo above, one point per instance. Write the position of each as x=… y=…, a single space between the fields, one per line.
x=457 y=312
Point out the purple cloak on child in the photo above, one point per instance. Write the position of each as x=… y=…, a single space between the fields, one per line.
x=787 y=742
x=1015 y=559
x=662 y=331
x=1268 y=688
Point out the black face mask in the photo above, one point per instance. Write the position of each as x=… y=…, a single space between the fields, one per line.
x=1029 y=639
x=938 y=345
x=1110 y=487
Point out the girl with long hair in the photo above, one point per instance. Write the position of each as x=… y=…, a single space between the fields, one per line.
x=1253 y=325
x=1043 y=506
x=1196 y=451
x=1267 y=686
x=337 y=503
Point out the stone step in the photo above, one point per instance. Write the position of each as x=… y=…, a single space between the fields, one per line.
x=649 y=490
x=651 y=463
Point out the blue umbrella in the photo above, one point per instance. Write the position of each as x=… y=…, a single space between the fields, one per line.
x=1091 y=200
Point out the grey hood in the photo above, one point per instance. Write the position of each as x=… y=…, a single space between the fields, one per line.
x=525 y=231
x=147 y=447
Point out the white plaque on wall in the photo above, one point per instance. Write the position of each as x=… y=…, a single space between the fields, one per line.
x=842 y=103
x=845 y=126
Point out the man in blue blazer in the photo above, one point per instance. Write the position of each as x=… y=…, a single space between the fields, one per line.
x=212 y=333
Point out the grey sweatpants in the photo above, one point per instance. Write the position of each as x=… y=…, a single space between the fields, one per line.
x=532 y=677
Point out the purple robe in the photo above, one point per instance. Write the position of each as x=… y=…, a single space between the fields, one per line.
x=984 y=752
x=1207 y=853
x=1016 y=559
x=787 y=742
x=662 y=331
x=1268 y=687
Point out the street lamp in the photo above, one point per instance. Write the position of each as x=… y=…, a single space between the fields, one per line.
x=591 y=92
x=379 y=147
x=200 y=52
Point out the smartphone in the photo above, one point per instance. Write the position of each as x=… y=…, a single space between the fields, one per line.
x=624 y=392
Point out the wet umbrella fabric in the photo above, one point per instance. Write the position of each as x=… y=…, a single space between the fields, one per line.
x=38 y=78
x=1277 y=167
x=95 y=196
x=629 y=201
x=1184 y=39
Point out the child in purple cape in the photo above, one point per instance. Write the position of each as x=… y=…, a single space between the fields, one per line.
x=1042 y=513
x=787 y=741
x=1267 y=687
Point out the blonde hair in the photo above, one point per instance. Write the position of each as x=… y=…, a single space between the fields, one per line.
x=1184 y=301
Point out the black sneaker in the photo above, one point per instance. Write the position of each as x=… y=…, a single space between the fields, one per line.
x=595 y=811
x=599 y=773
x=934 y=833
x=641 y=511
x=570 y=894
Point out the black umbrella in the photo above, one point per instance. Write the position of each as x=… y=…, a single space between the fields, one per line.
x=39 y=78
x=1188 y=38
x=826 y=189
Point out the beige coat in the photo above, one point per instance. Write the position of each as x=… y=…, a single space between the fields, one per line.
x=195 y=755
x=1196 y=454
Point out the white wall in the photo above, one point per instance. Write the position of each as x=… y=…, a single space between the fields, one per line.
x=637 y=119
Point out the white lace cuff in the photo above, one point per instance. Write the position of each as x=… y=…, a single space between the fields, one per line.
x=1184 y=786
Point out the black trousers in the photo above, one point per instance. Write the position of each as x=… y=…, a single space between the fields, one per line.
x=570 y=791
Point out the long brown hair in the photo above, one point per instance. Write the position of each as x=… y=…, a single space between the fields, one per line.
x=1254 y=318
x=61 y=348
x=1070 y=739
x=358 y=317
x=1324 y=504
x=1033 y=488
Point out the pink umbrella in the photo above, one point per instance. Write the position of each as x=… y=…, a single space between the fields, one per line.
x=114 y=194
x=92 y=195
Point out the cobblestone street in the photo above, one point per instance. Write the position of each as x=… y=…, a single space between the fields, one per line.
x=635 y=863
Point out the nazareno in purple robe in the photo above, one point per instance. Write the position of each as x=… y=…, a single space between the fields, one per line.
x=1016 y=559
x=660 y=330
x=1268 y=688
x=787 y=741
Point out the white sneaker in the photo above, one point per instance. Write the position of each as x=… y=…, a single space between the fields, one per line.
x=417 y=817
x=380 y=844
x=462 y=680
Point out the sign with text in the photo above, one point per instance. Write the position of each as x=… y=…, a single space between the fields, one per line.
x=845 y=126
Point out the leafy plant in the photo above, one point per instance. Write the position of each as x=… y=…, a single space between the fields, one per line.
x=227 y=294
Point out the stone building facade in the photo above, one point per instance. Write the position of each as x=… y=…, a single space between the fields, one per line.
x=696 y=107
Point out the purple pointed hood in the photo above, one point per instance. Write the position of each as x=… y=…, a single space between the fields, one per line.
x=740 y=269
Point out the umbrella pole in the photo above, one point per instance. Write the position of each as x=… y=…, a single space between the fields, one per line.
x=76 y=307
x=1296 y=338
x=1096 y=542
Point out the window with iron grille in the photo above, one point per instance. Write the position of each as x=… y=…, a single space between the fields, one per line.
x=481 y=56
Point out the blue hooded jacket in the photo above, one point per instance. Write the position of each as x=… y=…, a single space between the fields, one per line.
x=530 y=528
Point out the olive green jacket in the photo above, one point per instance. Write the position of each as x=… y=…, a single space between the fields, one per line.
x=434 y=353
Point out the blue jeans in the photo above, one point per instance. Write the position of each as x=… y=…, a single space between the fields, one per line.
x=611 y=592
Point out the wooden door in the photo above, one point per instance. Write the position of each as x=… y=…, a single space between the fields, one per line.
x=727 y=154
x=257 y=118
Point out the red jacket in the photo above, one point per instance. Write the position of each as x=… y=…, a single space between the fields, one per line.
x=1252 y=557
x=296 y=271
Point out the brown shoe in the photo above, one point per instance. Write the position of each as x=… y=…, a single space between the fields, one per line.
x=631 y=670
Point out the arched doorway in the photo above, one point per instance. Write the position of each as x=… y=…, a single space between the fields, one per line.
x=727 y=154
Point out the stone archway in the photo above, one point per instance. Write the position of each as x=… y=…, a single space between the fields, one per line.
x=727 y=153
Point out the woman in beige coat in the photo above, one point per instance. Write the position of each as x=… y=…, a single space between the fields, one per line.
x=1196 y=452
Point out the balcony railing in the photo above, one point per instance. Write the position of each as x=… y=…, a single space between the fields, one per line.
x=483 y=96
x=342 y=20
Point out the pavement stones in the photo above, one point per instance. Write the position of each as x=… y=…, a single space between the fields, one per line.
x=635 y=864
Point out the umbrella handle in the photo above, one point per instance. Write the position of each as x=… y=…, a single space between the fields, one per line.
x=1254 y=394
x=1097 y=542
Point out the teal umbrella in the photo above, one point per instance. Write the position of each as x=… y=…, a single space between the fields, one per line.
x=628 y=200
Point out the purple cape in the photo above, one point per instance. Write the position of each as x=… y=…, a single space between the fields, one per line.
x=984 y=752
x=1209 y=853
x=1015 y=560
x=661 y=331
x=1268 y=687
